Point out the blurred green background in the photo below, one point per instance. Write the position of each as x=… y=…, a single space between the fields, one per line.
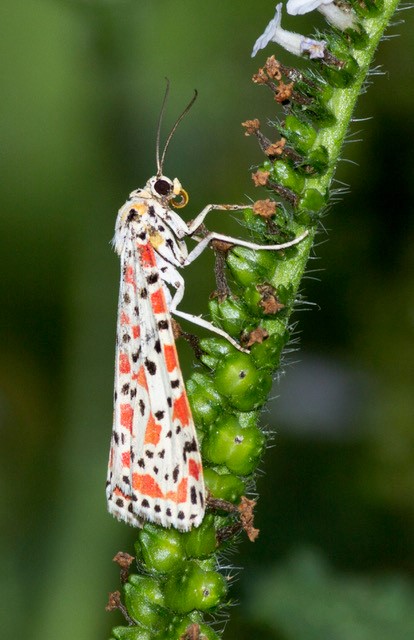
x=82 y=84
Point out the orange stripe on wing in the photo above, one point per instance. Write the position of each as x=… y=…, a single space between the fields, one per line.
x=146 y=485
x=181 y=494
x=124 y=364
x=141 y=377
x=194 y=468
x=152 y=431
x=126 y=459
x=158 y=301
x=129 y=276
x=170 y=355
x=181 y=410
x=127 y=415
x=147 y=255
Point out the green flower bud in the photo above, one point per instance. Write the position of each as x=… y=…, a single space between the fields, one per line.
x=267 y=354
x=244 y=386
x=248 y=267
x=234 y=446
x=225 y=486
x=143 y=599
x=131 y=633
x=161 y=549
x=284 y=174
x=205 y=401
x=201 y=541
x=178 y=630
x=230 y=315
x=311 y=200
x=299 y=134
x=194 y=589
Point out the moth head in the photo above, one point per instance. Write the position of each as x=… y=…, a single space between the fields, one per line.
x=168 y=190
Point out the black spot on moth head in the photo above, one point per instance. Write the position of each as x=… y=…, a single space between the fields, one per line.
x=151 y=367
x=193 y=495
x=159 y=415
x=141 y=406
x=125 y=388
x=162 y=325
x=153 y=278
x=175 y=473
x=145 y=503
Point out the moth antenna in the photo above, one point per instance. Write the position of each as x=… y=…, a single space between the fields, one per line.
x=157 y=144
x=170 y=135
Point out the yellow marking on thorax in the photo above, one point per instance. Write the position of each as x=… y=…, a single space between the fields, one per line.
x=156 y=238
x=140 y=208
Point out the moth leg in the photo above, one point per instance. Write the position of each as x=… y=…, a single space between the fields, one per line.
x=194 y=224
x=204 y=242
x=171 y=276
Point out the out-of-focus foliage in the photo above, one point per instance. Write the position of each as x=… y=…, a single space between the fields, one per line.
x=82 y=84
x=306 y=600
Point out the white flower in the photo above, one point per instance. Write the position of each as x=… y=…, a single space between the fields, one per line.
x=293 y=42
x=299 y=7
x=337 y=17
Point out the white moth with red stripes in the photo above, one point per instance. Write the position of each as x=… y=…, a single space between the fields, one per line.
x=155 y=471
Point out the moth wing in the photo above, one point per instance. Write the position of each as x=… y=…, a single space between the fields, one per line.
x=155 y=470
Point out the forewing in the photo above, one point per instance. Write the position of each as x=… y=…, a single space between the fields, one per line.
x=155 y=470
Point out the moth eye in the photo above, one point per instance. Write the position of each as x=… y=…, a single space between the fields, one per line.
x=163 y=187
